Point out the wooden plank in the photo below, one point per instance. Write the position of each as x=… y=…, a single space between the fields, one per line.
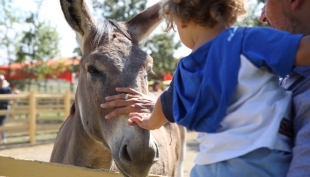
x=67 y=103
x=50 y=102
x=13 y=96
x=16 y=167
x=24 y=128
x=49 y=105
x=13 y=121
x=46 y=95
x=3 y=112
x=25 y=168
x=49 y=127
x=32 y=117
x=17 y=106
x=18 y=127
x=50 y=118
x=50 y=110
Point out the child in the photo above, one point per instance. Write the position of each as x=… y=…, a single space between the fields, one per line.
x=227 y=89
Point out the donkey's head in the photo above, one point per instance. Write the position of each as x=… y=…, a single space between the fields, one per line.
x=112 y=58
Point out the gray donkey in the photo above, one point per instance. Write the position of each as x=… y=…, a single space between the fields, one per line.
x=112 y=58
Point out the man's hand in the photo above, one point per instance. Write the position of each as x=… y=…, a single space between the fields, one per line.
x=135 y=102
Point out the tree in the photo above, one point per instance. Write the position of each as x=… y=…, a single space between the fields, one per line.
x=120 y=10
x=161 y=47
x=252 y=17
x=77 y=51
x=38 y=44
x=8 y=34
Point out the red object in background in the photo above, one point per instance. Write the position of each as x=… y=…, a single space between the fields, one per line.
x=17 y=74
x=167 y=77
x=15 y=71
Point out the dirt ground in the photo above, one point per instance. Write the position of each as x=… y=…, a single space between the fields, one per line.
x=43 y=152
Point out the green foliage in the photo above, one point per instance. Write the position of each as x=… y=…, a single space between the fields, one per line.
x=77 y=51
x=26 y=39
x=252 y=17
x=38 y=43
x=8 y=34
x=120 y=10
x=161 y=47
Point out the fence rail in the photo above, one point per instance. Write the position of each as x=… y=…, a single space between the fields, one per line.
x=17 y=167
x=32 y=112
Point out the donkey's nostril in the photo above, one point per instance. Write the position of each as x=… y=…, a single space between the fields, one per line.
x=130 y=153
x=124 y=154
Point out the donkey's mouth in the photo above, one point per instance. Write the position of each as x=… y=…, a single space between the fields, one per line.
x=127 y=171
x=121 y=171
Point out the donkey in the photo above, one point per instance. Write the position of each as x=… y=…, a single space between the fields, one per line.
x=112 y=58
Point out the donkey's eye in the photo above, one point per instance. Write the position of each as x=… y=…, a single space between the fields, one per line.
x=92 y=70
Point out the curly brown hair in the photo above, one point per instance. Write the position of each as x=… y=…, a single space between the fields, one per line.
x=203 y=12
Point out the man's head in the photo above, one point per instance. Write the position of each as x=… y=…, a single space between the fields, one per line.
x=287 y=15
x=2 y=79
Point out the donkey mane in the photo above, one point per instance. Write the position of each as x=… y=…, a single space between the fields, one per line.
x=103 y=28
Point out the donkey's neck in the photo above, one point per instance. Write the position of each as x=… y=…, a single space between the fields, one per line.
x=78 y=148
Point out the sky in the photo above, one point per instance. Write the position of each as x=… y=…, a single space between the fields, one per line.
x=51 y=12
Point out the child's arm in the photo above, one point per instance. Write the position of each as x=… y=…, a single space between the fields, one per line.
x=149 y=121
x=303 y=52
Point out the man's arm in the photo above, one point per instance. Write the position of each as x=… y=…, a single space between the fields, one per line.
x=136 y=102
x=300 y=165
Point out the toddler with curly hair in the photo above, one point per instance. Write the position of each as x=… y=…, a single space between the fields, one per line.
x=228 y=89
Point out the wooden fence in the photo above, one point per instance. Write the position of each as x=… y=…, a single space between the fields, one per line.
x=33 y=112
x=25 y=168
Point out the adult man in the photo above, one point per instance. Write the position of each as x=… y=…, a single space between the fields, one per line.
x=293 y=16
x=4 y=104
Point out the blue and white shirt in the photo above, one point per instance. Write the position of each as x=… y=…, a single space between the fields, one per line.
x=228 y=90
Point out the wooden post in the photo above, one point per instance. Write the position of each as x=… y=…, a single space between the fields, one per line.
x=32 y=117
x=67 y=102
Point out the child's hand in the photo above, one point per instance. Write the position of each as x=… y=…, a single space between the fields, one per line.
x=141 y=119
x=149 y=121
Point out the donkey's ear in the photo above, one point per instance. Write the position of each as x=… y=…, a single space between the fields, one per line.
x=79 y=18
x=141 y=25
